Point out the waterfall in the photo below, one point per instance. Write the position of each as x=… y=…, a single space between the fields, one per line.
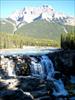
x=59 y=89
x=36 y=68
x=48 y=67
x=10 y=68
x=44 y=69
x=41 y=67
x=7 y=66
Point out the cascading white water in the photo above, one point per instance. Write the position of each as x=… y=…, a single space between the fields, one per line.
x=45 y=70
x=36 y=68
x=7 y=66
x=59 y=89
x=10 y=68
x=48 y=67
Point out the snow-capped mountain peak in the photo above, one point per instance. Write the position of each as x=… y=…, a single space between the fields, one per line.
x=30 y=14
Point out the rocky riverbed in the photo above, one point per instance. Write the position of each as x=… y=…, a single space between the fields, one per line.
x=19 y=84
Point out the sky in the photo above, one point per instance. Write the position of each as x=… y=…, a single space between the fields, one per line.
x=7 y=7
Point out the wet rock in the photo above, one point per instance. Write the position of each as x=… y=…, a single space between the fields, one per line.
x=72 y=80
x=23 y=88
x=8 y=83
x=40 y=93
x=65 y=61
x=72 y=98
x=14 y=95
x=44 y=98
x=29 y=83
x=22 y=66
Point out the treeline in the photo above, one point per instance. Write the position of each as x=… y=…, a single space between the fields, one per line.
x=68 y=41
x=18 y=41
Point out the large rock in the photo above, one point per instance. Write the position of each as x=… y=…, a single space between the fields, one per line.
x=23 y=88
x=14 y=95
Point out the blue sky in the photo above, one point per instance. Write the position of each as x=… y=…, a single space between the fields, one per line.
x=9 y=6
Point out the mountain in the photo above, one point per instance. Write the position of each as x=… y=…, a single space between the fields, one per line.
x=42 y=29
x=38 y=22
x=7 y=26
x=31 y=14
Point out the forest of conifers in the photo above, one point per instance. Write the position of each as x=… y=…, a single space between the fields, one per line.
x=67 y=41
